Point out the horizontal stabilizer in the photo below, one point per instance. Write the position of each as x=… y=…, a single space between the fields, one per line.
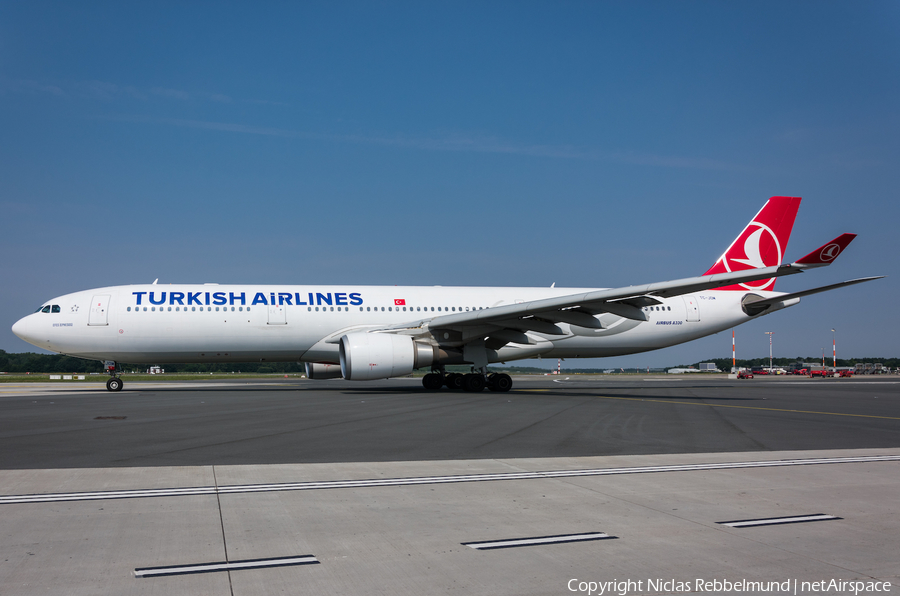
x=757 y=306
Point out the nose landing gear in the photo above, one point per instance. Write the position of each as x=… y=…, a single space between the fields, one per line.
x=114 y=383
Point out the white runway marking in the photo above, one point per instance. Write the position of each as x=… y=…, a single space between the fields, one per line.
x=540 y=540
x=232 y=566
x=773 y=521
x=370 y=483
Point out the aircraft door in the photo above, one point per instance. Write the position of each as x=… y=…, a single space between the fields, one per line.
x=277 y=314
x=692 y=305
x=99 y=310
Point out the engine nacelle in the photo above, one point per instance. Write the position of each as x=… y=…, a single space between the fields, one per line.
x=317 y=370
x=368 y=356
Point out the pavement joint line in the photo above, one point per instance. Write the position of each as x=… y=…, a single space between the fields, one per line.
x=225 y=566
x=773 y=521
x=696 y=403
x=412 y=481
x=516 y=542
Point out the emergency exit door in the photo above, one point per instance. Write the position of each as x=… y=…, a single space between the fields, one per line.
x=277 y=316
x=693 y=309
x=99 y=314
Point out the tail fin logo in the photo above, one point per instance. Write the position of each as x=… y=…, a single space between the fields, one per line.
x=830 y=252
x=761 y=244
x=757 y=250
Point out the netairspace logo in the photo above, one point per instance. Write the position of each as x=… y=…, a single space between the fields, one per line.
x=720 y=586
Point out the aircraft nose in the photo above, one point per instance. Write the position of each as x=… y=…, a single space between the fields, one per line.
x=20 y=328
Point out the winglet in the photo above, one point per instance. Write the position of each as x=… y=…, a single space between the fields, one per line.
x=824 y=255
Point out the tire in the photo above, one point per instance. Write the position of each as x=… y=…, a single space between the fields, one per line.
x=114 y=384
x=474 y=383
x=501 y=382
x=454 y=381
x=432 y=381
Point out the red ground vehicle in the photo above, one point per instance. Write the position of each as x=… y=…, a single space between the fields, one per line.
x=745 y=374
x=845 y=373
x=820 y=373
x=760 y=371
x=800 y=371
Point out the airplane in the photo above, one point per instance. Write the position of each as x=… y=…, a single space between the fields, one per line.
x=379 y=332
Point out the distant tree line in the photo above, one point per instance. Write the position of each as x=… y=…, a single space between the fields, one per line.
x=57 y=363
x=725 y=363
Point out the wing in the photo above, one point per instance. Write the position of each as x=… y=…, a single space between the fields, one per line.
x=508 y=323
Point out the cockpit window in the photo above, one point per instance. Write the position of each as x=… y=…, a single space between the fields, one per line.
x=54 y=308
x=46 y=308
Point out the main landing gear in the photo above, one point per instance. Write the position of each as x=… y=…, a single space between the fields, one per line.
x=114 y=383
x=474 y=381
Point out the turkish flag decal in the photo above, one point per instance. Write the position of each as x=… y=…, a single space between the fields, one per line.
x=399 y=302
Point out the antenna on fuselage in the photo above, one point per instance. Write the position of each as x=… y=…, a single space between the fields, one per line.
x=154 y=281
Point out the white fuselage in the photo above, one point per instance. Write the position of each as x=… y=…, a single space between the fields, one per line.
x=252 y=323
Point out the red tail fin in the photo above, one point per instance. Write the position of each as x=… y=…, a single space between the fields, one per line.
x=761 y=244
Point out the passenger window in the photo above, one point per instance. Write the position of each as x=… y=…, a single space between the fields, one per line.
x=46 y=308
x=170 y=309
x=145 y=309
x=389 y=308
x=128 y=309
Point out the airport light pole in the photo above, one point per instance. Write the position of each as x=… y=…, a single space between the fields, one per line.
x=733 y=361
x=770 y=334
x=833 y=351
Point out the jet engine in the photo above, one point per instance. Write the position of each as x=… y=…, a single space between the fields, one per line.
x=367 y=356
x=318 y=370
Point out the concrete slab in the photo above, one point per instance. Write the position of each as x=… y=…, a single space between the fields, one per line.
x=408 y=539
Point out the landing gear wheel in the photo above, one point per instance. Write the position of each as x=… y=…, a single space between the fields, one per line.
x=500 y=382
x=454 y=381
x=432 y=381
x=114 y=384
x=474 y=382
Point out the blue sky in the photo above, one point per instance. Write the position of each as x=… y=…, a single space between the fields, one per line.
x=524 y=143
